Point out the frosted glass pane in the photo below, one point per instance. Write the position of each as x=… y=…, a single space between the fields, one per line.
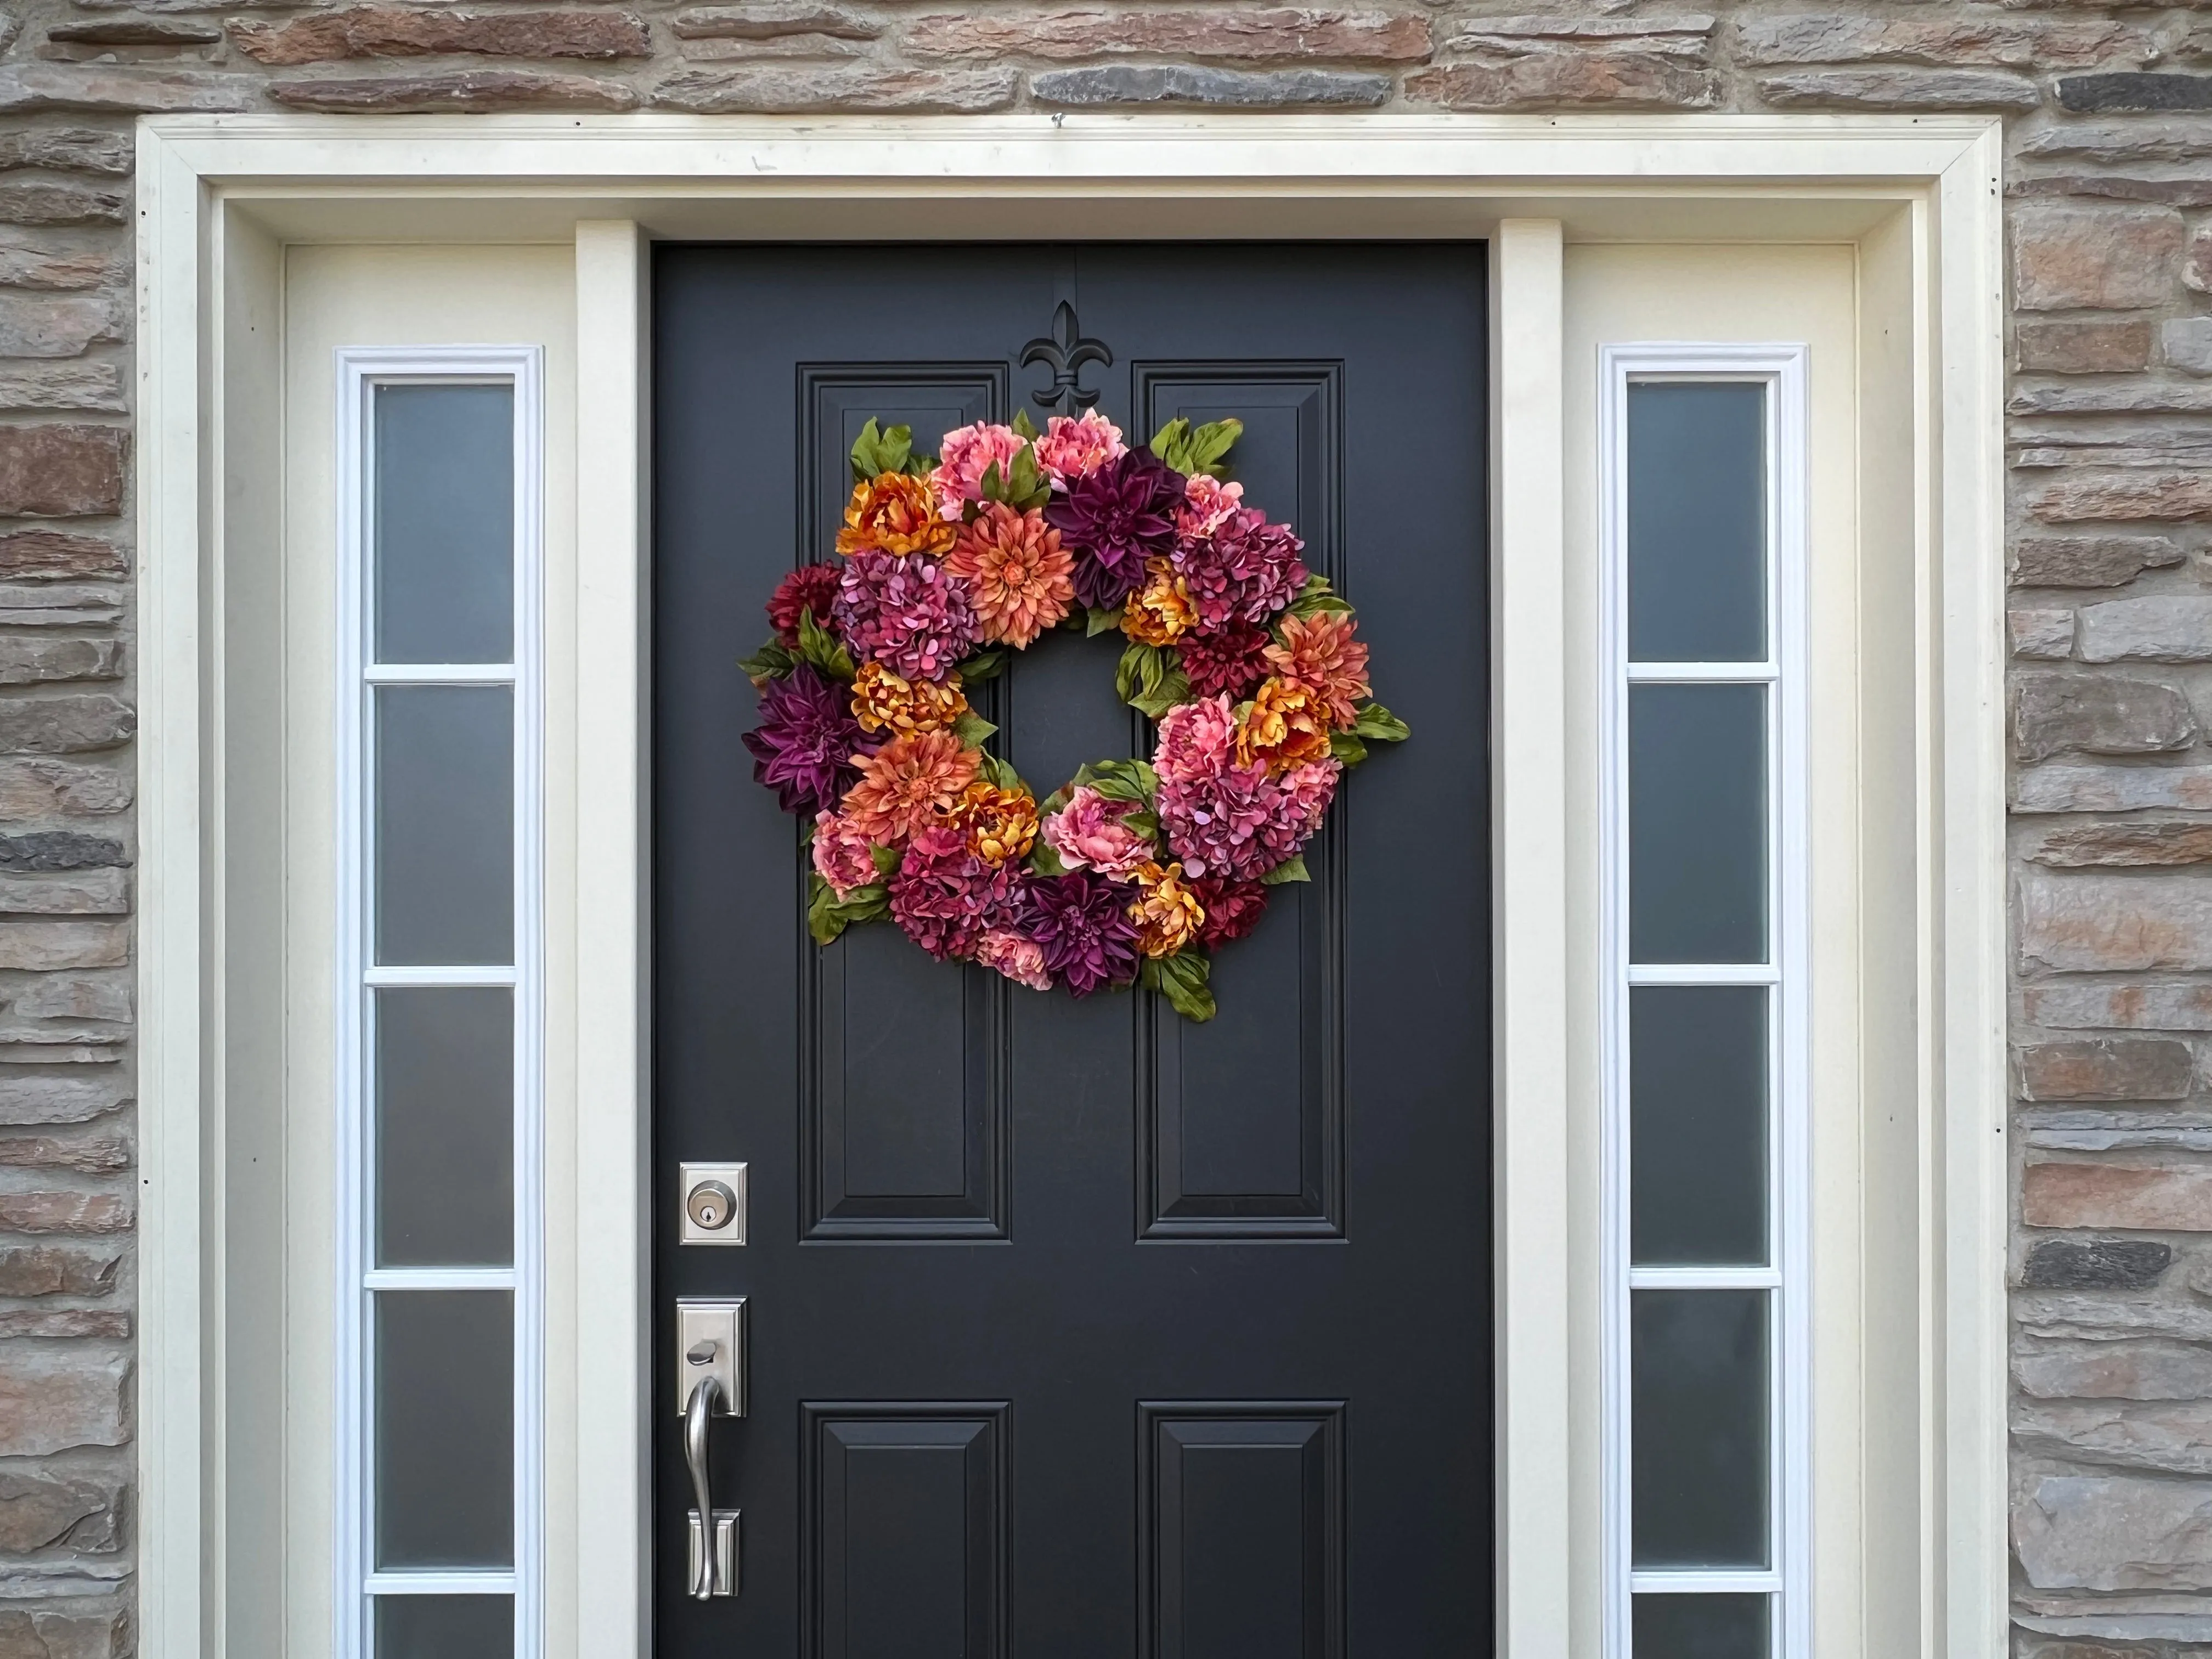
x=445 y=829
x=445 y=524
x=1701 y=1626
x=1697 y=827
x=1697 y=522
x=1697 y=1412
x=444 y=1127
x=444 y=1406
x=1697 y=1114
x=444 y=1627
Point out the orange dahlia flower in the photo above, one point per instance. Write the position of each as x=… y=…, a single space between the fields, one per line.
x=1160 y=612
x=1319 y=653
x=1001 y=823
x=1167 y=913
x=1020 y=580
x=910 y=784
x=1286 y=727
x=895 y=512
x=881 y=701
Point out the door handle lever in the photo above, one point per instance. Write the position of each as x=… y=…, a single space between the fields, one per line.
x=712 y=1384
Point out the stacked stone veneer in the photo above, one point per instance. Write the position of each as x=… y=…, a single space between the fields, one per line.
x=2110 y=188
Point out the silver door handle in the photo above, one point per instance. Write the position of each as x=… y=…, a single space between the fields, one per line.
x=710 y=1574
x=711 y=1383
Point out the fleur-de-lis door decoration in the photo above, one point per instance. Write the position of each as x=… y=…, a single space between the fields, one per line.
x=1066 y=351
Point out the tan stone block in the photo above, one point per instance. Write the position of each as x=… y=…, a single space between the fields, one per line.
x=2129 y=496
x=59 y=386
x=2106 y=1068
x=2089 y=560
x=1901 y=88
x=764 y=20
x=70 y=723
x=1252 y=34
x=69 y=149
x=1568 y=78
x=57 y=1270
x=2007 y=42
x=42 y=1511
x=458 y=92
x=2114 y=1371
x=870 y=86
x=2101 y=1005
x=42 y=788
x=2041 y=633
x=47 y=1100
x=37 y=262
x=2116 y=1533
x=2116 y=924
x=61 y=469
x=51 y=1401
x=29 y=1635
x=91 y=1213
x=2164 y=841
x=2103 y=347
x=41 y=946
x=86 y=1154
x=2174 y=1438
x=96 y=87
x=37 y=662
x=2100 y=258
x=2197 y=269
x=2102 y=715
x=2112 y=788
x=71 y=893
x=43 y=554
x=412 y=31
x=2117 y=1196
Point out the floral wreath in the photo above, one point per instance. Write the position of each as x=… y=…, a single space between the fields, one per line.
x=1131 y=872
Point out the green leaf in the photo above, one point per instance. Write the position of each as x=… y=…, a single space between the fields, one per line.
x=1120 y=779
x=1054 y=802
x=828 y=915
x=819 y=646
x=992 y=486
x=1378 y=725
x=886 y=860
x=971 y=728
x=984 y=665
x=876 y=450
x=1102 y=621
x=1317 y=596
x=1000 y=774
x=1346 y=748
x=1024 y=427
x=771 y=662
x=1292 y=868
x=1192 y=450
x=1027 y=486
x=1139 y=672
x=1170 y=440
x=1174 y=687
x=1183 y=980
x=1044 y=858
x=1145 y=823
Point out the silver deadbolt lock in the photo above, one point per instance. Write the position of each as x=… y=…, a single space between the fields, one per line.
x=713 y=1203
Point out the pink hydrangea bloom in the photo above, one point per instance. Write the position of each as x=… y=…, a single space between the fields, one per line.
x=1207 y=502
x=1072 y=449
x=943 y=893
x=1245 y=567
x=1020 y=959
x=968 y=452
x=1089 y=834
x=1196 y=739
x=1238 y=824
x=905 y=612
x=841 y=854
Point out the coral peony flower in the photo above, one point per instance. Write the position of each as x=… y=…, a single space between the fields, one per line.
x=806 y=745
x=1160 y=612
x=1019 y=577
x=1089 y=834
x=1246 y=568
x=841 y=855
x=810 y=587
x=1083 y=924
x=1197 y=740
x=1319 y=653
x=999 y=824
x=1167 y=913
x=905 y=613
x=1206 y=503
x=1075 y=448
x=1286 y=727
x=941 y=893
x=881 y=701
x=1233 y=909
x=1116 y=519
x=1240 y=823
x=1231 y=660
x=894 y=513
x=1019 y=958
x=907 y=785
x=969 y=452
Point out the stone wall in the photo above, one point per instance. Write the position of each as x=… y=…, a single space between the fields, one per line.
x=2109 y=182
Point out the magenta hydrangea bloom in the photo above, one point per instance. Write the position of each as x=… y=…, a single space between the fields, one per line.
x=905 y=612
x=1082 y=923
x=1237 y=823
x=1248 y=568
x=1114 y=520
x=804 y=747
x=943 y=893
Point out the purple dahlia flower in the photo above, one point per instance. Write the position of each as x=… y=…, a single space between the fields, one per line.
x=803 y=748
x=1114 y=520
x=1083 y=923
x=1247 y=569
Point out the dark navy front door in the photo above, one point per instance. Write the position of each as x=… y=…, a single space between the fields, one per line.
x=1079 y=1332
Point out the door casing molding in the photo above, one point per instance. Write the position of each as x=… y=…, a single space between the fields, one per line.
x=217 y=194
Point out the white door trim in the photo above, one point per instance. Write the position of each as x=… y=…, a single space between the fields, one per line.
x=1531 y=183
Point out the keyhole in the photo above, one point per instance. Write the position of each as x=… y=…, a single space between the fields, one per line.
x=711 y=1204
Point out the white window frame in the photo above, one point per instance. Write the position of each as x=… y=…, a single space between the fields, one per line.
x=1781 y=369
x=359 y=371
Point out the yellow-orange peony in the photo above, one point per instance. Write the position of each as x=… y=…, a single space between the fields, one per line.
x=883 y=702
x=1285 y=726
x=895 y=512
x=1160 y=612
x=1167 y=913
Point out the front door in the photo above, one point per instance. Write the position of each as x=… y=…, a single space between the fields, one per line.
x=1077 y=1331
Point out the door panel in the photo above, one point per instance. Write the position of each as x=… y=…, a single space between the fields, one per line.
x=963 y=1191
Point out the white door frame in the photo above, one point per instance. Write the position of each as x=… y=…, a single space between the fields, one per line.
x=1925 y=190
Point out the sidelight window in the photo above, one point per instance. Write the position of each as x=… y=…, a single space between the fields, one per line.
x=440 y=1296
x=1702 y=478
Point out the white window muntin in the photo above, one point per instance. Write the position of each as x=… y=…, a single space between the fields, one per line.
x=361 y=371
x=1785 y=1278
